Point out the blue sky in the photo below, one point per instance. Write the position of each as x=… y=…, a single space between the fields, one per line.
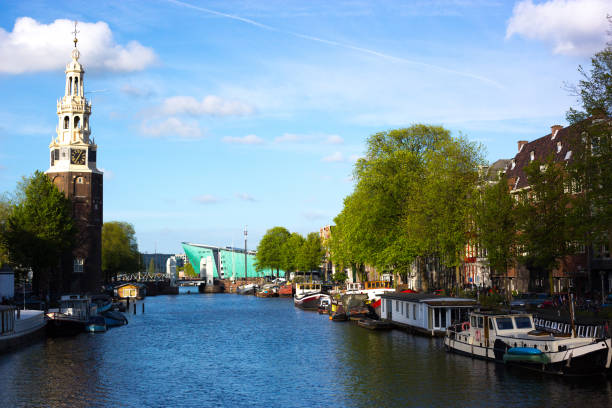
x=212 y=115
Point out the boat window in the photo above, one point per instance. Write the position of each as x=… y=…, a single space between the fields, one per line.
x=480 y=322
x=473 y=321
x=523 y=322
x=504 y=323
x=490 y=324
x=402 y=307
x=414 y=315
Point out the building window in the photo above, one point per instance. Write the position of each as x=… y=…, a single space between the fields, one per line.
x=79 y=180
x=78 y=265
x=66 y=122
x=559 y=147
x=77 y=122
x=532 y=155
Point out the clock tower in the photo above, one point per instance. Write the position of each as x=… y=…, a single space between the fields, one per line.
x=73 y=169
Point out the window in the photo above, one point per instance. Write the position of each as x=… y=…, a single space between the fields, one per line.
x=513 y=164
x=79 y=180
x=408 y=310
x=78 y=265
x=414 y=312
x=523 y=322
x=402 y=307
x=504 y=323
x=559 y=147
x=532 y=155
x=66 y=122
x=77 y=122
x=568 y=155
x=480 y=322
x=396 y=306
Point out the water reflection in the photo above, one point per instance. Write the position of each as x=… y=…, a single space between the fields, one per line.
x=226 y=350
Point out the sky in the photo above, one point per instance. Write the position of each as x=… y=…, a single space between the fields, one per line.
x=213 y=115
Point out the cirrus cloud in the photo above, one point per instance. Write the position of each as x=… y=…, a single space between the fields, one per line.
x=206 y=199
x=573 y=27
x=35 y=47
x=336 y=157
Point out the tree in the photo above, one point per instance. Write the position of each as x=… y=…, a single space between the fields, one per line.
x=289 y=253
x=39 y=230
x=270 y=249
x=495 y=218
x=189 y=271
x=545 y=226
x=119 y=249
x=5 y=211
x=591 y=164
x=310 y=254
x=151 y=269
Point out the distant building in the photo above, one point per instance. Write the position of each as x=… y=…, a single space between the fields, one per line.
x=159 y=262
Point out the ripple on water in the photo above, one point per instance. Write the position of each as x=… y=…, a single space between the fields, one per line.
x=226 y=350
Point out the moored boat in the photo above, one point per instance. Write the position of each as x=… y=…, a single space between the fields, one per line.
x=71 y=317
x=514 y=340
x=309 y=301
x=248 y=289
x=285 y=290
x=96 y=324
x=373 y=324
x=20 y=326
x=114 y=318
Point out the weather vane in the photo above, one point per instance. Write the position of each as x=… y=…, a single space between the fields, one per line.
x=75 y=32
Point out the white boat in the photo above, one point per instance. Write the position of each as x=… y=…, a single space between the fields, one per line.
x=310 y=301
x=17 y=327
x=307 y=288
x=72 y=316
x=513 y=339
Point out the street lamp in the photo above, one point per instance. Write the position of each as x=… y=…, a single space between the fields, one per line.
x=29 y=276
x=245 y=252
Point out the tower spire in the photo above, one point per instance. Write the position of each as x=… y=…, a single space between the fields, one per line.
x=75 y=32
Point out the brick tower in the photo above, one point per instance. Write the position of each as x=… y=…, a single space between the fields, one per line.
x=73 y=170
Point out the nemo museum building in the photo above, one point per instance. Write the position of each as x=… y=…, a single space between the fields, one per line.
x=226 y=263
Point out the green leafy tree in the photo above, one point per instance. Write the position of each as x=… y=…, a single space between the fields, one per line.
x=189 y=271
x=591 y=164
x=545 y=222
x=5 y=211
x=495 y=218
x=119 y=249
x=289 y=254
x=39 y=230
x=340 y=276
x=310 y=254
x=270 y=249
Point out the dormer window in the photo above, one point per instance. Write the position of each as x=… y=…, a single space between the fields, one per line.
x=532 y=155
x=559 y=147
x=513 y=164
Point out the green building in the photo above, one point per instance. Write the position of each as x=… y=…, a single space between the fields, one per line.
x=227 y=263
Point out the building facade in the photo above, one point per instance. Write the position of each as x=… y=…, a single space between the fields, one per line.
x=73 y=169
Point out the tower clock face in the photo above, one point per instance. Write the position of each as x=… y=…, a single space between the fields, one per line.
x=77 y=156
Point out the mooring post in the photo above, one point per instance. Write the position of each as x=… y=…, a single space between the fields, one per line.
x=142 y=307
x=134 y=307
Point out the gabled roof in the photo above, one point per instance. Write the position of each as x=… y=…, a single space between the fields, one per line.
x=541 y=149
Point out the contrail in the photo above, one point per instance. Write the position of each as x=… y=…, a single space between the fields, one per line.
x=337 y=44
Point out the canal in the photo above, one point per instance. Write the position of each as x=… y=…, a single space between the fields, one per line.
x=197 y=350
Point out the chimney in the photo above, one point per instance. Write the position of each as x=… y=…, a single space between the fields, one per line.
x=521 y=143
x=554 y=129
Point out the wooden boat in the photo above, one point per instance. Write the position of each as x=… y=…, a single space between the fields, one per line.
x=18 y=327
x=505 y=338
x=114 y=318
x=96 y=324
x=309 y=301
x=285 y=290
x=71 y=317
x=373 y=324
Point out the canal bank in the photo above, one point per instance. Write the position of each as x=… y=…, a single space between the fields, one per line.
x=218 y=350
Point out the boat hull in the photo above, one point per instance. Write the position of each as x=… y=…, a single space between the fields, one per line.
x=113 y=319
x=59 y=327
x=308 y=302
x=29 y=330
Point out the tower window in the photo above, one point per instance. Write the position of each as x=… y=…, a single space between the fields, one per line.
x=77 y=122
x=76 y=85
x=66 y=122
x=78 y=265
x=70 y=90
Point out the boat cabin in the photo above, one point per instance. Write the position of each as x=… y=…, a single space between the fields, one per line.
x=423 y=312
x=354 y=287
x=77 y=306
x=378 y=285
x=305 y=288
x=131 y=291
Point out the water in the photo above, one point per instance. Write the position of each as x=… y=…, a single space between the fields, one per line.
x=235 y=351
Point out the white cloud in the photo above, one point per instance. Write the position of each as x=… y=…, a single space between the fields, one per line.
x=209 y=105
x=172 y=127
x=333 y=158
x=33 y=47
x=573 y=27
x=334 y=139
x=206 y=199
x=288 y=138
x=245 y=197
x=246 y=140
x=354 y=157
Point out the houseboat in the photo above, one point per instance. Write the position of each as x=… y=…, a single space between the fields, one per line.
x=374 y=290
x=424 y=313
x=513 y=339
x=131 y=291
x=71 y=317
x=17 y=327
x=307 y=288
